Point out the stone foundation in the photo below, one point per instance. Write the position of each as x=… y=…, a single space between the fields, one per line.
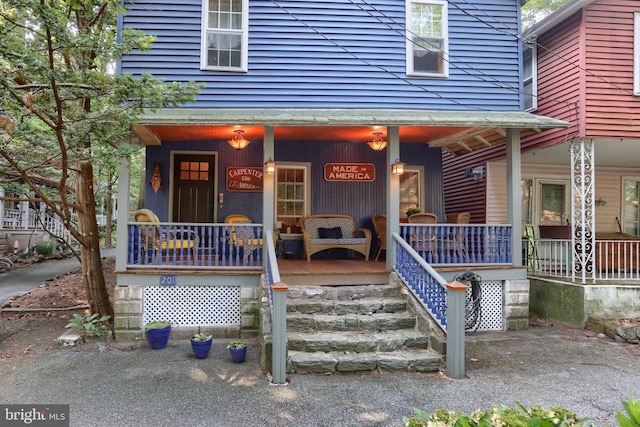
x=128 y=316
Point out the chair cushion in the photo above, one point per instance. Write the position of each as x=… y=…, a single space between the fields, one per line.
x=330 y=233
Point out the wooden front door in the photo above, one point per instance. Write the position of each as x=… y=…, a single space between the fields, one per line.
x=193 y=188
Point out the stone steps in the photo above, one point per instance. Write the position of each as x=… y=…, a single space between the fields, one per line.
x=354 y=328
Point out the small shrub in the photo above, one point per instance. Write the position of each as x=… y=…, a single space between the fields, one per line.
x=91 y=325
x=534 y=416
x=632 y=406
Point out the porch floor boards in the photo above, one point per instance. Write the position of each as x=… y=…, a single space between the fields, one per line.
x=295 y=272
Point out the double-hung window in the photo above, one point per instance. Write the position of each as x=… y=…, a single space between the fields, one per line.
x=411 y=190
x=225 y=35
x=530 y=78
x=292 y=192
x=427 y=38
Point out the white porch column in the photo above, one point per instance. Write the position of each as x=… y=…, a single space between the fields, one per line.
x=583 y=236
x=24 y=213
x=393 y=194
x=514 y=199
x=268 y=189
x=124 y=184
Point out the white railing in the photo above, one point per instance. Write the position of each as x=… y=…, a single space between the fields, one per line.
x=612 y=259
x=14 y=219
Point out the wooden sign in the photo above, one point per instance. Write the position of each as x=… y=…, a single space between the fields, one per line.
x=244 y=178
x=365 y=172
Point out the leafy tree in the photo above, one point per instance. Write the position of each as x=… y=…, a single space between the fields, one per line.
x=63 y=109
x=536 y=10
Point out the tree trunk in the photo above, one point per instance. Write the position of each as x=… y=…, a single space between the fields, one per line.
x=90 y=258
x=109 y=211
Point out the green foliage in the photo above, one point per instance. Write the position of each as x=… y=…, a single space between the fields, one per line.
x=632 y=406
x=534 y=416
x=536 y=10
x=201 y=337
x=236 y=344
x=92 y=325
x=46 y=248
x=158 y=324
x=412 y=211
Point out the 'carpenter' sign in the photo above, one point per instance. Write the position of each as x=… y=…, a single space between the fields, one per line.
x=244 y=178
x=349 y=172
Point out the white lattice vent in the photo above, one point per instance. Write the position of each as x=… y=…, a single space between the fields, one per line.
x=491 y=306
x=192 y=305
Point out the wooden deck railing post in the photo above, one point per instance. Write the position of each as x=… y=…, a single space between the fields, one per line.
x=456 y=296
x=279 y=333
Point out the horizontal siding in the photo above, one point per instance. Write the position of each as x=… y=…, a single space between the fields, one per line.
x=559 y=82
x=609 y=45
x=463 y=194
x=306 y=53
x=608 y=186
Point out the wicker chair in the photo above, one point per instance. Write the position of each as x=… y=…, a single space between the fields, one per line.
x=380 y=227
x=242 y=237
x=156 y=239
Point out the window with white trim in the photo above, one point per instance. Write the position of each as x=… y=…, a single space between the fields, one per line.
x=631 y=206
x=225 y=35
x=636 y=53
x=427 y=38
x=411 y=189
x=530 y=76
x=292 y=192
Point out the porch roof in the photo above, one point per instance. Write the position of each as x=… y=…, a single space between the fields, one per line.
x=459 y=132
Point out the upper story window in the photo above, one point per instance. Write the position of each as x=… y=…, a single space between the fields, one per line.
x=636 y=54
x=427 y=38
x=530 y=76
x=225 y=35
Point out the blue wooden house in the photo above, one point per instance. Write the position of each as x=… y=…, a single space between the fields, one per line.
x=307 y=108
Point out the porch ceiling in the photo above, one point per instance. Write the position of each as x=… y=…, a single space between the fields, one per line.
x=459 y=132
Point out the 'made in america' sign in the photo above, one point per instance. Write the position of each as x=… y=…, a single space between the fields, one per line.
x=349 y=172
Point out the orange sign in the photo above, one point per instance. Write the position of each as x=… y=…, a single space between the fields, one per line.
x=244 y=178
x=349 y=172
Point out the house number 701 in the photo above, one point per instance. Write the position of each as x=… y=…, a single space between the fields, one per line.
x=168 y=280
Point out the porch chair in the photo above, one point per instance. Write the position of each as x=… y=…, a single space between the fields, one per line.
x=242 y=237
x=459 y=235
x=420 y=243
x=158 y=240
x=380 y=227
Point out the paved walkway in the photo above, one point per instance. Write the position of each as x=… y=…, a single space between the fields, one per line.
x=128 y=384
x=22 y=280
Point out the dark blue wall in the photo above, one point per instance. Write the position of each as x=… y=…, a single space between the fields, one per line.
x=361 y=200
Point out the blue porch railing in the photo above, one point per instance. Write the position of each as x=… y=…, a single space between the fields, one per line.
x=460 y=243
x=444 y=301
x=186 y=245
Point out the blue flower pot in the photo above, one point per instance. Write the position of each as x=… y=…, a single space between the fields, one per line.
x=201 y=349
x=238 y=354
x=158 y=338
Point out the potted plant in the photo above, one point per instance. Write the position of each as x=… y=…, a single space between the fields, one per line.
x=158 y=333
x=412 y=211
x=237 y=350
x=201 y=345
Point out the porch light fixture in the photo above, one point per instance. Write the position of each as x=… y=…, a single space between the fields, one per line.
x=270 y=166
x=238 y=142
x=377 y=143
x=397 y=168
